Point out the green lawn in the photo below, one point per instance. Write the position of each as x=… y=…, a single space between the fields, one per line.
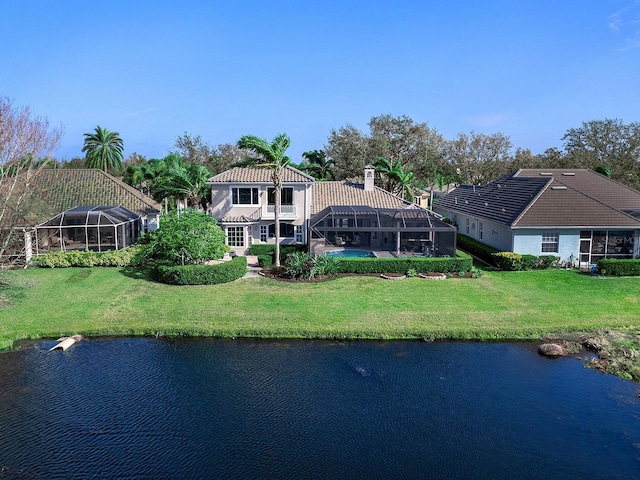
x=44 y=303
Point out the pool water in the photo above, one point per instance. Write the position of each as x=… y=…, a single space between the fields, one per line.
x=351 y=254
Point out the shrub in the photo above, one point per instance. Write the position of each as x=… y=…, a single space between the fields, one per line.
x=191 y=238
x=461 y=263
x=265 y=261
x=529 y=262
x=298 y=265
x=619 y=267
x=53 y=260
x=260 y=249
x=508 y=261
x=306 y=266
x=264 y=249
x=548 y=261
x=476 y=248
x=512 y=262
x=126 y=257
x=201 y=274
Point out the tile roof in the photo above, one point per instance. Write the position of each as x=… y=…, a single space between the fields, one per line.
x=590 y=183
x=549 y=198
x=325 y=194
x=55 y=190
x=501 y=201
x=259 y=175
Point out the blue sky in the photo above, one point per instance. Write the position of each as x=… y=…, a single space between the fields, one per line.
x=154 y=70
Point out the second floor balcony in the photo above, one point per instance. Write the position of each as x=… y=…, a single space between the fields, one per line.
x=286 y=212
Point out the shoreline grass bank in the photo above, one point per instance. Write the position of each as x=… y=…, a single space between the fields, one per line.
x=499 y=306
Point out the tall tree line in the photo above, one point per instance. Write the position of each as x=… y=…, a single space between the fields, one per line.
x=477 y=158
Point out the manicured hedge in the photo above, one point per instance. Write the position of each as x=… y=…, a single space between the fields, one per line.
x=87 y=258
x=461 y=263
x=619 y=267
x=264 y=250
x=476 y=248
x=201 y=274
x=513 y=262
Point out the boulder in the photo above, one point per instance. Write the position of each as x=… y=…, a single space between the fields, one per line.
x=552 y=350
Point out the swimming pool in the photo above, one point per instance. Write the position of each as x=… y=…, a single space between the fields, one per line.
x=347 y=253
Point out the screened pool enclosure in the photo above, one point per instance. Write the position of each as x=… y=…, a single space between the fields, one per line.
x=89 y=228
x=410 y=231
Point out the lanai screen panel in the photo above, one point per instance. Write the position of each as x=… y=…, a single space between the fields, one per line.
x=402 y=230
x=89 y=227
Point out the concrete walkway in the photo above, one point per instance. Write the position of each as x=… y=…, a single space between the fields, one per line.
x=252 y=267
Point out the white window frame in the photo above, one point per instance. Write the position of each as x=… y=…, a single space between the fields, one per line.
x=264 y=235
x=297 y=233
x=235 y=195
x=235 y=239
x=550 y=242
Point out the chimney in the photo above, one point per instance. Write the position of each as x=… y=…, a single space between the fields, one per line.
x=369 y=173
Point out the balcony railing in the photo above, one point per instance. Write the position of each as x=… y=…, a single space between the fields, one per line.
x=284 y=209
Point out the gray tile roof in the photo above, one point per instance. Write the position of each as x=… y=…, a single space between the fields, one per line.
x=53 y=191
x=501 y=201
x=259 y=175
x=325 y=194
x=548 y=198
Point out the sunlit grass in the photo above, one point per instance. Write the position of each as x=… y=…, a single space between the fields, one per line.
x=42 y=303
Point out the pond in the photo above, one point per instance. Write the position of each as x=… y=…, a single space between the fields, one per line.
x=204 y=408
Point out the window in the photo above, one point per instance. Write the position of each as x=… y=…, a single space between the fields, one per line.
x=235 y=236
x=549 y=243
x=244 y=196
x=481 y=233
x=467 y=226
x=263 y=233
x=286 y=196
x=286 y=230
x=298 y=233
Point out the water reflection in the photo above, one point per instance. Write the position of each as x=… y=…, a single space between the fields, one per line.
x=148 y=408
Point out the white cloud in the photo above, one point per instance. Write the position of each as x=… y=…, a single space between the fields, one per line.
x=625 y=23
x=140 y=112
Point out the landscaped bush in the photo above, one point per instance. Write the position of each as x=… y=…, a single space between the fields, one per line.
x=513 y=262
x=547 y=261
x=619 y=267
x=509 y=261
x=193 y=237
x=126 y=257
x=529 y=262
x=461 y=263
x=306 y=266
x=201 y=274
x=476 y=248
x=259 y=249
x=265 y=261
x=263 y=249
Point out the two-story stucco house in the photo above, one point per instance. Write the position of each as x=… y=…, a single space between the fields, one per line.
x=324 y=215
x=242 y=200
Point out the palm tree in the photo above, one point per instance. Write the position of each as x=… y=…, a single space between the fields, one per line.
x=185 y=182
x=317 y=165
x=385 y=167
x=399 y=181
x=271 y=156
x=104 y=149
x=404 y=184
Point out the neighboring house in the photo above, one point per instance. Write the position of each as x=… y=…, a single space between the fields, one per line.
x=74 y=199
x=323 y=215
x=576 y=214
